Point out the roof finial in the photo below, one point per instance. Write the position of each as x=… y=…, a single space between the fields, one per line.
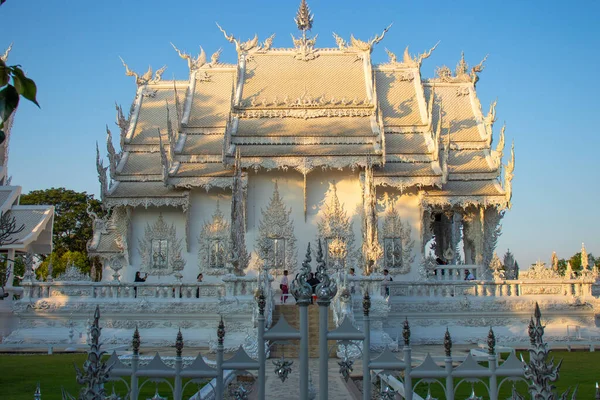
x=304 y=19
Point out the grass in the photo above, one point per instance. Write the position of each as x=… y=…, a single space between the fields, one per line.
x=577 y=368
x=19 y=375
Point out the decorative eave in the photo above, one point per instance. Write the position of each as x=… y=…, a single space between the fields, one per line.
x=169 y=199
x=203 y=182
x=307 y=163
x=403 y=183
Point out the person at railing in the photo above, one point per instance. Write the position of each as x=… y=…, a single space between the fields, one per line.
x=199 y=279
x=352 y=284
x=469 y=276
x=138 y=278
x=386 y=279
x=284 y=286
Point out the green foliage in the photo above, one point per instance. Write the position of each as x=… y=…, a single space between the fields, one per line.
x=72 y=227
x=60 y=263
x=18 y=270
x=13 y=85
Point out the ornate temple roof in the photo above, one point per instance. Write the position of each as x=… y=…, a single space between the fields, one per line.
x=305 y=107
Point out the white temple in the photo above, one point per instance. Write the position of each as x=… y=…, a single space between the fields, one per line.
x=236 y=169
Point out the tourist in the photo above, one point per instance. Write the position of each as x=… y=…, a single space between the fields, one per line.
x=469 y=276
x=199 y=279
x=386 y=280
x=138 y=278
x=352 y=282
x=284 y=286
x=313 y=282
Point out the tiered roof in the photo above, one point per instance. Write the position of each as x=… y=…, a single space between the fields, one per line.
x=302 y=108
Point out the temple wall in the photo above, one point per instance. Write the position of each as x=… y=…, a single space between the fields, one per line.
x=260 y=189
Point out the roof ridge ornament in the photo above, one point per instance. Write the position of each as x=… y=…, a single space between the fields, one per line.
x=305 y=47
x=509 y=175
x=200 y=61
x=4 y=57
x=359 y=45
x=304 y=19
x=461 y=73
x=147 y=77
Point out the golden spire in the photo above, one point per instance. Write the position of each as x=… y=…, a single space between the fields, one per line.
x=304 y=19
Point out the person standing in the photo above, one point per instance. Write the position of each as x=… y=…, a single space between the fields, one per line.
x=199 y=279
x=387 y=278
x=352 y=282
x=284 y=286
x=138 y=278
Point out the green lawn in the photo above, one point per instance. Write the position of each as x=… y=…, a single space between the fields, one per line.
x=19 y=375
x=577 y=368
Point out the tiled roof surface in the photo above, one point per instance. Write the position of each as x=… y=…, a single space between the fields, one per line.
x=279 y=74
x=331 y=126
x=398 y=97
x=212 y=99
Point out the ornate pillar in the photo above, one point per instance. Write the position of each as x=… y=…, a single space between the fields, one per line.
x=366 y=353
x=371 y=248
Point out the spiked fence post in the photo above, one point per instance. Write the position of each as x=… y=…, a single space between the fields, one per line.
x=178 y=364
x=408 y=390
x=492 y=363
x=135 y=359
x=221 y=338
x=366 y=347
x=448 y=362
x=260 y=295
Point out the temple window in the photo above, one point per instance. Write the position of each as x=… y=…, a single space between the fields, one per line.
x=160 y=253
x=278 y=252
x=216 y=256
x=393 y=252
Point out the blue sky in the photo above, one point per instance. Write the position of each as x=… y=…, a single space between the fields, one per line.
x=542 y=68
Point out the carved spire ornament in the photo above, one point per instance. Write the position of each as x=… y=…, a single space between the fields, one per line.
x=4 y=57
x=147 y=77
x=416 y=61
x=300 y=289
x=238 y=257
x=585 y=263
x=123 y=123
x=101 y=169
x=371 y=248
x=509 y=175
x=276 y=242
x=304 y=19
x=113 y=156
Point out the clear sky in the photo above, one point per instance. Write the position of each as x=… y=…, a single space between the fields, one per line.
x=542 y=67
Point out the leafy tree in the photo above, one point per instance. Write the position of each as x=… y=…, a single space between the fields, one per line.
x=72 y=225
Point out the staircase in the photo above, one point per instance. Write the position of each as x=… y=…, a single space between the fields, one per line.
x=291 y=314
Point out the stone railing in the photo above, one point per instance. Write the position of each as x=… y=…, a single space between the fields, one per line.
x=452 y=272
x=509 y=288
x=232 y=286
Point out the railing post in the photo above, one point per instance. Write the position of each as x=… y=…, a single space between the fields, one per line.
x=221 y=337
x=366 y=353
x=304 y=348
x=492 y=358
x=408 y=390
x=448 y=362
x=135 y=358
x=323 y=349
x=261 y=344
x=178 y=363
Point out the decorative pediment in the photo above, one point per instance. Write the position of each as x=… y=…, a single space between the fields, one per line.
x=397 y=243
x=276 y=243
x=539 y=271
x=74 y=274
x=407 y=59
x=214 y=245
x=160 y=249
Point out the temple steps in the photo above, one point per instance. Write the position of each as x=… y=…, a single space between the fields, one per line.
x=291 y=314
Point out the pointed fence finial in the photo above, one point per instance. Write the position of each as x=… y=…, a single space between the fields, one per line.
x=135 y=343
x=304 y=19
x=491 y=341
x=406 y=332
x=221 y=332
x=179 y=343
x=448 y=343
x=366 y=303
